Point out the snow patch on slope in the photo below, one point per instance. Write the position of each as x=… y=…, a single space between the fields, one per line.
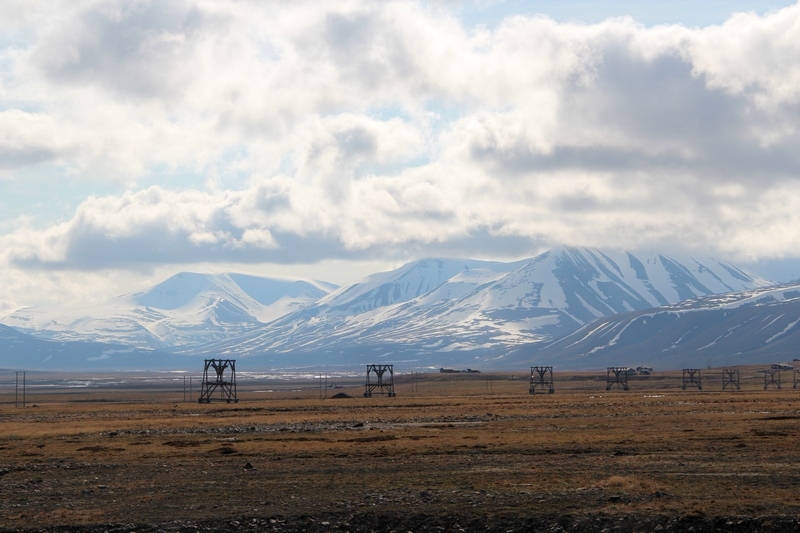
x=187 y=309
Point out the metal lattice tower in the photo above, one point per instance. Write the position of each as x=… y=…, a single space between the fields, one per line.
x=772 y=376
x=542 y=377
x=730 y=376
x=620 y=377
x=380 y=385
x=217 y=380
x=692 y=376
x=796 y=378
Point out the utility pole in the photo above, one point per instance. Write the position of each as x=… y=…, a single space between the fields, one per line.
x=16 y=389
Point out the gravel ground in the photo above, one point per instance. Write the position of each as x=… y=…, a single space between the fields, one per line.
x=412 y=522
x=583 y=462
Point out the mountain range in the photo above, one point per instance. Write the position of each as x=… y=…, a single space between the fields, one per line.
x=747 y=327
x=428 y=313
x=188 y=309
x=467 y=313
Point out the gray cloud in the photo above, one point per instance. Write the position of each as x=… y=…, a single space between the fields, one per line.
x=652 y=116
x=322 y=130
x=13 y=157
x=153 y=245
x=133 y=49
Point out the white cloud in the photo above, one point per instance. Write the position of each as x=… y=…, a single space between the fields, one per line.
x=313 y=131
x=752 y=54
x=30 y=139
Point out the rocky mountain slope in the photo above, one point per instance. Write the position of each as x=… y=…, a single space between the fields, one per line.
x=429 y=313
x=188 y=309
x=443 y=312
x=749 y=327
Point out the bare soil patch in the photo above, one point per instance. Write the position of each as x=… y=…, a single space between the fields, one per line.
x=449 y=453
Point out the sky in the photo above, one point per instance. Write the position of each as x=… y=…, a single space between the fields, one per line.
x=331 y=140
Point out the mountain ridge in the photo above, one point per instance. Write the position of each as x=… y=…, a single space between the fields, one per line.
x=746 y=327
x=541 y=299
x=187 y=308
x=432 y=311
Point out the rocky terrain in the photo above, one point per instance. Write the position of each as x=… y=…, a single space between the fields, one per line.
x=449 y=453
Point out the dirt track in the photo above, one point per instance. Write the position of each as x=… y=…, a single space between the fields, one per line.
x=455 y=454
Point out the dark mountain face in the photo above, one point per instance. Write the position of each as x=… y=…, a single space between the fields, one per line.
x=21 y=351
x=749 y=327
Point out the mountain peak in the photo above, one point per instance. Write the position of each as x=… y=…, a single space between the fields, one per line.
x=188 y=308
x=180 y=289
x=411 y=280
x=446 y=312
x=457 y=311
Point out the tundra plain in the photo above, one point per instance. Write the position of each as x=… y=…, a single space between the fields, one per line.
x=451 y=452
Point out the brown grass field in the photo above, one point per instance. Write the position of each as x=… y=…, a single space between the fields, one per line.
x=451 y=452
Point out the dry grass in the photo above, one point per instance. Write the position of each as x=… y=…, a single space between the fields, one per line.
x=453 y=444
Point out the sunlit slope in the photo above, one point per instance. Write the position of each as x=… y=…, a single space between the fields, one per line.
x=459 y=312
x=188 y=309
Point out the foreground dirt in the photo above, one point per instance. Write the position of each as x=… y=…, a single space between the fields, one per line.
x=448 y=458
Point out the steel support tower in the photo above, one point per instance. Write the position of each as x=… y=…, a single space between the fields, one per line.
x=691 y=376
x=216 y=380
x=379 y=385
x=772 y=376
x=730 y=376
x=796 y=378
x=542 y=377
x=620 y=377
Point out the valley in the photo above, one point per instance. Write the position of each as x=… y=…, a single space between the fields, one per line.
x=451 y=452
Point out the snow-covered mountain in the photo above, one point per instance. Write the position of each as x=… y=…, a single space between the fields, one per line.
x=457 y=312
x=431 y=312
x=748 y=327
x=188 y=309
x=431 y=279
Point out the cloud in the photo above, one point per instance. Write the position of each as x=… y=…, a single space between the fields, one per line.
x=308 y=131
x=29 y=139
x=752 y=55
x=131 y=49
